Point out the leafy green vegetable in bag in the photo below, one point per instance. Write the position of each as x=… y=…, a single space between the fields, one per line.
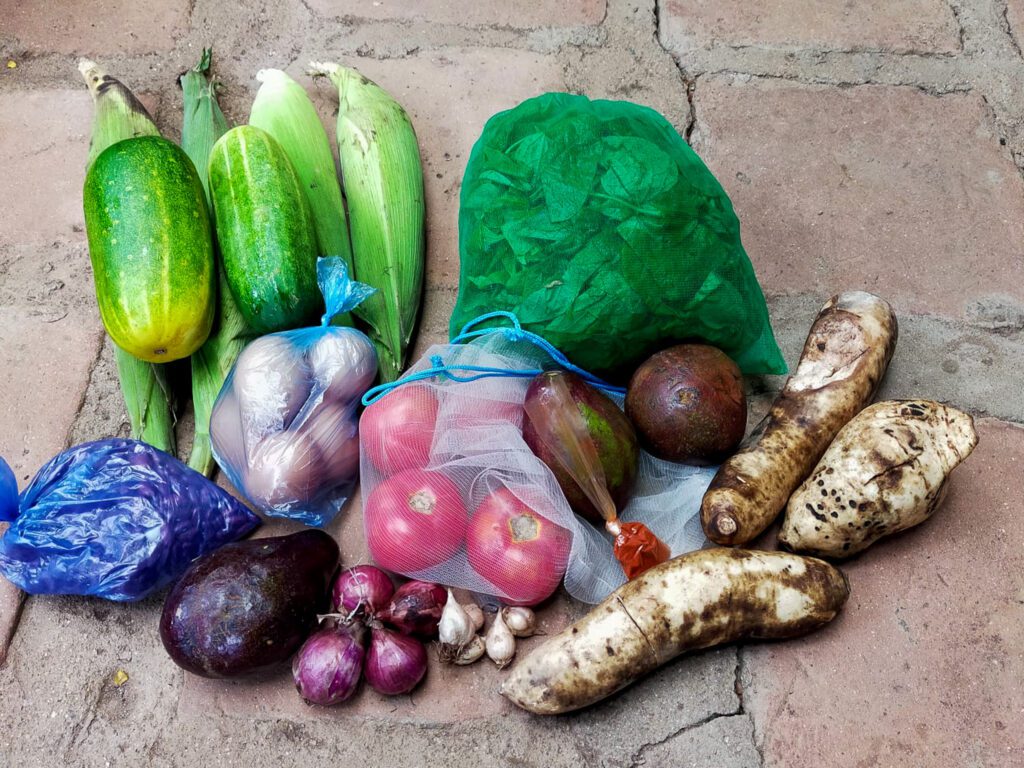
x=598 y=226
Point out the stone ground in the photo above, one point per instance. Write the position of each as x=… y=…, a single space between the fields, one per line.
x=873 y=144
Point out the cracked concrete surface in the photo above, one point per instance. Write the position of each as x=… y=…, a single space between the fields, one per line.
x=59 y=703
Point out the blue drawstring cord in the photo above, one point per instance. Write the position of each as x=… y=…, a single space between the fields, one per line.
x=470 y=332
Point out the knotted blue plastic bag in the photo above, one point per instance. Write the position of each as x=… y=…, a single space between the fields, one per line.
x=284 y=426
x=113 y=518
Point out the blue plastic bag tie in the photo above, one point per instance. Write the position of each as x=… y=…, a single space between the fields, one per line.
x=438 y=368
x=341 y=293
x=8 y=493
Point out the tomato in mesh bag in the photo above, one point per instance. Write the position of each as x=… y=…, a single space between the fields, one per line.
x=454 y=495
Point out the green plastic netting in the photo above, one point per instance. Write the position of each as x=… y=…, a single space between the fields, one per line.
x=598 y=226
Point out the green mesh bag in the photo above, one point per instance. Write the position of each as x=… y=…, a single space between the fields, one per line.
x=599 y=227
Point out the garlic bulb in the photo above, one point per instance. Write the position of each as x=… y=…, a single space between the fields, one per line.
x=500 y=643
x=455 y=630
x=473 y=651
x=521 y=621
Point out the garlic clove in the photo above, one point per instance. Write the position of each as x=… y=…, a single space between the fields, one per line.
x=455 y=630
x=476 y=615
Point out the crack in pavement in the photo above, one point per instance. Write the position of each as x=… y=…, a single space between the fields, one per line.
x=638 y=757
x=740 y=669
x=1004 y=23
x=802 y=79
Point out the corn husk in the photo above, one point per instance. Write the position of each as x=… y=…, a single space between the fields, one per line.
x=203 y=124
x=383 y=184
x=283 y=109
x=119 y=115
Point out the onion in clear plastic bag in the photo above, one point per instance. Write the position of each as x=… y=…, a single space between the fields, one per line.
x=284 y=428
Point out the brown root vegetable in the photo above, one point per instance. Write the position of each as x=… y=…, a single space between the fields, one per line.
x=886 y=471
x=687 y=404
x=842 y=363
x=698 y=600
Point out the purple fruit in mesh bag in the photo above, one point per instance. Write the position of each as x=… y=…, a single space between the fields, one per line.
x=398 y=430
x=610 y=431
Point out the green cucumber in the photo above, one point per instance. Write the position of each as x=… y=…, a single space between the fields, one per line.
x=265 y=230
x=151 y=248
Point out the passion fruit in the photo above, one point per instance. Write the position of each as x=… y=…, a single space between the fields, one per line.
x=687 y=404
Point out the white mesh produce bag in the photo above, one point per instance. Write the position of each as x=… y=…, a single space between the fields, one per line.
x=452 y=494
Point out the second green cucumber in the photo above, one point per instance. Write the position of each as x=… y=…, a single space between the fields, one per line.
x=265 y=231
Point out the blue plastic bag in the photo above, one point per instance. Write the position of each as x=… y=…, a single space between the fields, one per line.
x=114 y=518
x=284 y=427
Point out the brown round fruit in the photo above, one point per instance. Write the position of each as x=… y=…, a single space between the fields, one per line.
x=687 y=404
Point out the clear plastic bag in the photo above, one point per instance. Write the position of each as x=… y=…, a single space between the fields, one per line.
x=284 y=427
x=114 y=518
x=452 y=494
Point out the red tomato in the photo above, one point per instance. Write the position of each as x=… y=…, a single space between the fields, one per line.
x=414 y=520
x=518 y=550
x=473 y=412
x=397 y=430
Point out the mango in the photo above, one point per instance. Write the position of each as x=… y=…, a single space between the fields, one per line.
x=606 y=426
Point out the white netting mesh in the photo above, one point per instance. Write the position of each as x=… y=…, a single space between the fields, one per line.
x=446 y=475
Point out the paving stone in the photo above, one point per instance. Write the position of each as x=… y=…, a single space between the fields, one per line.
x=49 y=325
x=93 y=27
x=44 y=144
x=725 y=742
x=692 y=689
x=11 y=599
x=1015 y=21
x=899 y=27
x=50 y=334
x=923 y=666
x=887 y=189
x=521 y=14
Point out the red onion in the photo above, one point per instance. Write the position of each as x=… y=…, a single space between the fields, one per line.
x=395 y=663
x=326 y=669
x=416 y=608
x=362 y=587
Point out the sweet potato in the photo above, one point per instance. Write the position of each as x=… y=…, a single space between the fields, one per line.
x=842 y=364
x=886 y=471
x=698 y=600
